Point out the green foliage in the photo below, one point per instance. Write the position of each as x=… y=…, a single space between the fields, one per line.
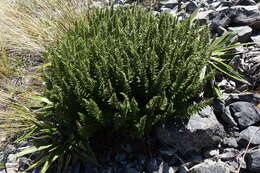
x=120 y=71
x=126 y=70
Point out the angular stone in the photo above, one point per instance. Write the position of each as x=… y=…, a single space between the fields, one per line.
x=256 y=39
x=243 y=32
x=210 y=166
x=203 y=17
x=244 y=113
x=253 y=161
x=245 y=97
x=229 y=153
x=230 y=142
x=211 y=153
x=169 y=3
x=245 y=2
x=250 y=135
x=247 y=15
x=202 y=130
x=191 y=7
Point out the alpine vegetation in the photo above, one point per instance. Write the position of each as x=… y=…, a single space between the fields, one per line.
x=119 y=72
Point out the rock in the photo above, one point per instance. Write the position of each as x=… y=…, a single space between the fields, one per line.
x=211 y=153
x=173 y=11
x=128 y=170
x=156 y=165
x=253 y=161
x=153 y=165
x=11 y=165
x=245 y=2
x=229 y=153
x=243 y=32
x=243 y=113
x=210 y=166
x=203 y=16
x=228 y=86
x=24 y=162
x=167 y=151
x=202 y=130
x=220 y=20
x=250 y=134
x=191 y=6
x=247 y=15
x=127 y=148
x=230 y=142
x=164 y=168
x=169 y=3
x=245 y=97
x=227 y=118
x=89 y=169
x=256 y=39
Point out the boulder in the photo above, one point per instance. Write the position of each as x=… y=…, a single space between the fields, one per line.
x=202 y=130
x=253 y=161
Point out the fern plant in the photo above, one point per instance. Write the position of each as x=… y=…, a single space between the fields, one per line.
x=120 y=71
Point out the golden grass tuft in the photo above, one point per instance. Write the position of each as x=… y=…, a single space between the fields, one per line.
x=32 y=25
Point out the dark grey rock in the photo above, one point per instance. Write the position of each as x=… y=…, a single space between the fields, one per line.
x=245 y=2
x=243 y=113
x=167 y=151
x=210 y=166
x=89 y=169
x=202 y=130
x=221 y=19
x=246 y=97
x=191 y=6
x=250 y=134
x=229 y=153
x=153 y=165
x=243 y=32
x=253 y=161
x=230 y=142
x=24 y=162
x=247 y=15
x=76 y=168
x=127 y=148
x=227 y=118
x=129 y=170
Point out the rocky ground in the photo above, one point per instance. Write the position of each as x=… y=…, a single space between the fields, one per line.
x=224 y=137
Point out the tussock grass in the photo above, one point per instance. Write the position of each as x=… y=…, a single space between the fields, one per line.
x=33 y=25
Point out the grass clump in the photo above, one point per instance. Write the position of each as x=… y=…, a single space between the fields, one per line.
x=121 y=71
x=30 y=26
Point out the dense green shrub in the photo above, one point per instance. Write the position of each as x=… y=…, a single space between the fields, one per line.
x=121 y=71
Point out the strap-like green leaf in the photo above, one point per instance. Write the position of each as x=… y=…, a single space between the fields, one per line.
x=30 y=150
